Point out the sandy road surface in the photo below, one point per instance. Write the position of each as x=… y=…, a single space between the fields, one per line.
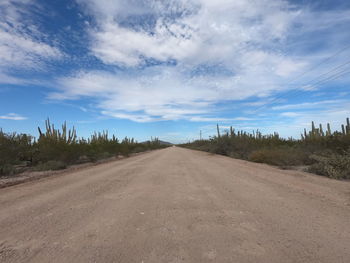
x=176 y=205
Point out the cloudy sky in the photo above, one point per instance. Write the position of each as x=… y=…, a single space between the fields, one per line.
x=171 y=68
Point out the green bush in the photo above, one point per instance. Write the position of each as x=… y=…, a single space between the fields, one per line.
x=7 y=169
x=332 y=165
x=274 y=150
x=279 y=157
x=51 y=166
x=57 y=148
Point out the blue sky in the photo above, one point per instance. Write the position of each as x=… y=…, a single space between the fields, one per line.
x=170 y=68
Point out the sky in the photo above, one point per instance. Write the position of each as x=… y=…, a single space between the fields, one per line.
x=170 y=69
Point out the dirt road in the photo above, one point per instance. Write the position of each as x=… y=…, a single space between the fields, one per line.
x=177 y=205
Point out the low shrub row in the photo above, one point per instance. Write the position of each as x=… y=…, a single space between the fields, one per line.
x=57 y=148
x=325 y=153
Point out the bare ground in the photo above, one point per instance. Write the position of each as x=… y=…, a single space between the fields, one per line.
x=176 y=205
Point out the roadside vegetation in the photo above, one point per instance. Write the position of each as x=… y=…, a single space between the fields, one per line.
x=321 y=151
x=57 y=148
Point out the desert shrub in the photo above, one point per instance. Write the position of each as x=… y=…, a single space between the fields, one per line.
x=274 y=150
x=102 y=155
x=139 y=149
x=14 y=149
x=279 y=156
x=51 y=166
x=7 y=169
x=56 y=148
x=332 y=165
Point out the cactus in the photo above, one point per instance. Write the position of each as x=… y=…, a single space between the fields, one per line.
x=329 y=132
x=57 y=135
x=232 y=131
x=321 y=130
x=218 y=130
x=313 y=130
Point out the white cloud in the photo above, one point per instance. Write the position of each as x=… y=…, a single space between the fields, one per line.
x=20 y=44
x=133 y=117
x=21 y=51
x=8 y=79
x=157 y=93
x=334 y=114
x=13 y=117
x=118 y=45
x=10 y=10
x=290 y=114
x=191 y=32
x=237 y=46
x=238 y=36
x=310 y=105
x=214 y=119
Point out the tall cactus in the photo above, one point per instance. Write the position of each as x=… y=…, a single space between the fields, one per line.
x=232 y=131
x=321 y=130
x=329 y=132
x=218 y=130
x=313 y=129
x=56 y=135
